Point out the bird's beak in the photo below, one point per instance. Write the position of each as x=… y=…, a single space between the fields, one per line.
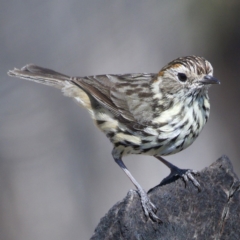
x=209 y=80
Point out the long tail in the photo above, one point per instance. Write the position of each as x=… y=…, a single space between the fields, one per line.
x=51 y=78
x=42 y=75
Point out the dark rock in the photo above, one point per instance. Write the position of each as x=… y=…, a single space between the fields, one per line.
x=186 y=213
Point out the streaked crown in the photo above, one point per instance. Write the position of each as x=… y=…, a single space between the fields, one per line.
x=197 y=65
x=190 y=73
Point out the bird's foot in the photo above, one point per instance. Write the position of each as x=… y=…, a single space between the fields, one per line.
x=185 y=174
x=148 y=207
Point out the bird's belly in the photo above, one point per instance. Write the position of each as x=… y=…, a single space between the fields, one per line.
x=176 y=135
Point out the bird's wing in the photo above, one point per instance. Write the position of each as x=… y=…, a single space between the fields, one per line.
x=128 y=95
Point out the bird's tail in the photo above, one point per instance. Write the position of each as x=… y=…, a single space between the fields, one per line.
x=40 y=75
x=51 y=78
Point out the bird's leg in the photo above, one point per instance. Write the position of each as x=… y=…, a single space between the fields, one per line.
x=186 y=174
x=148 y=207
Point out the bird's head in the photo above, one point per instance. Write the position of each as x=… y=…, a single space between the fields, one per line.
x=188 y=74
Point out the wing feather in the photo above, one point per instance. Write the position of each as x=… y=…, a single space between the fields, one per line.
x=128 y=95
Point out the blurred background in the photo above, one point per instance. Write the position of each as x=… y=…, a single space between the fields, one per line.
x=57 y=176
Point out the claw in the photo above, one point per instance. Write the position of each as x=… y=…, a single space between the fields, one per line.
x=148 y=207
x=185 y=174
x=155 y=218
x=188 y=176
x=153 y=207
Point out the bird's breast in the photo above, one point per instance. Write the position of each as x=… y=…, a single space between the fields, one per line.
x=171 y=132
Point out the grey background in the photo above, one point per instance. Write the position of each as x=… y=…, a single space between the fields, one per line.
x=57 y=176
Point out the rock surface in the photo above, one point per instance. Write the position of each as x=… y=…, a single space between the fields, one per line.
x=186 y=213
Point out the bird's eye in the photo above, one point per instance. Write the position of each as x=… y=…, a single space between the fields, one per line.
x=182 y=77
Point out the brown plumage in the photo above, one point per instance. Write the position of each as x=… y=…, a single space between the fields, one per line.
x=155 y=114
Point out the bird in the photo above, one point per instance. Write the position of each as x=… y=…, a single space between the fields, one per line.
x=155 y=114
